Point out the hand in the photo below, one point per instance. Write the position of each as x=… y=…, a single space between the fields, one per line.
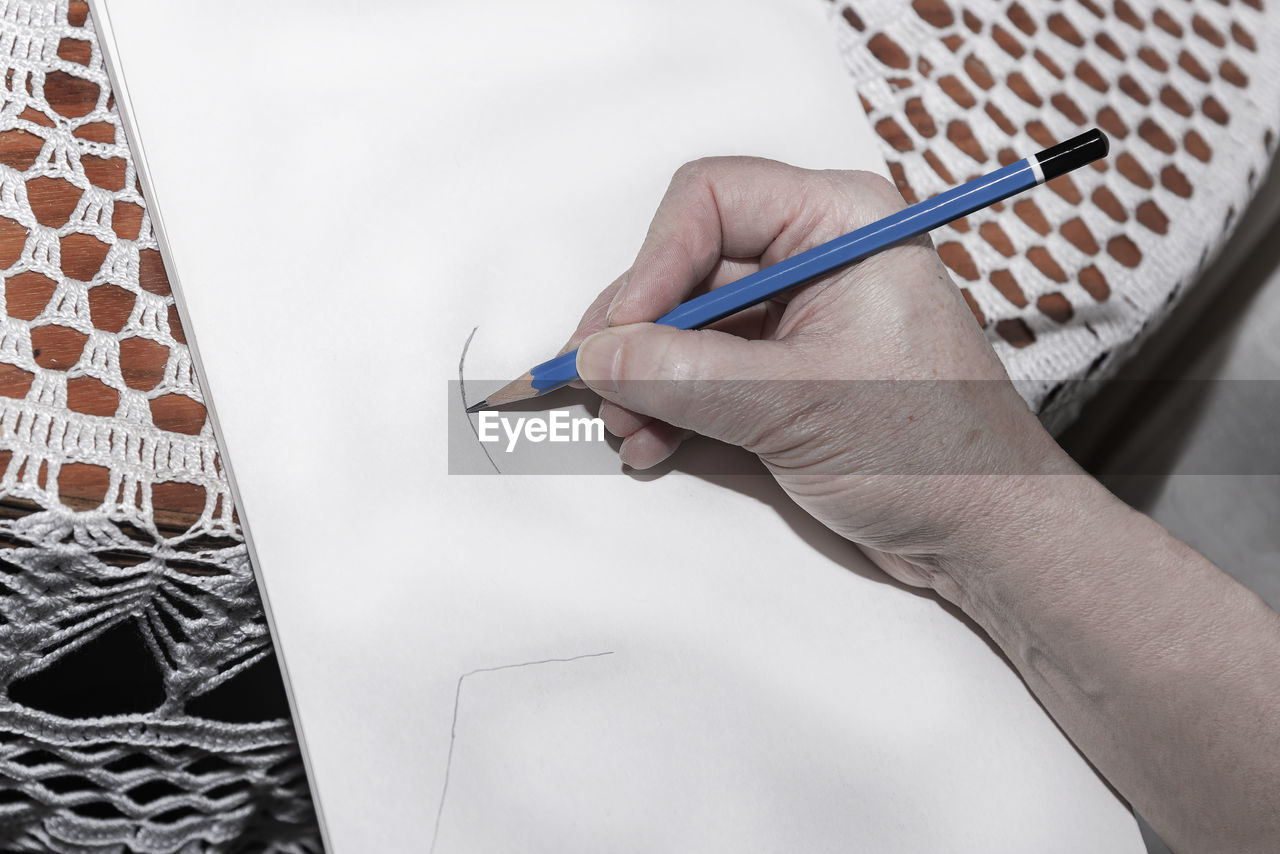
x=876 y=402
x=865 y=393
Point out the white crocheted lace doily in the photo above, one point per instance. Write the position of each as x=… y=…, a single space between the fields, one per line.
x=1068 y=280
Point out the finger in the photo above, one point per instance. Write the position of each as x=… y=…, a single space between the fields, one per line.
x=741 y=208
x=718 y=207
x=704 y=380
x=757 y=321
x=725 y=271
x=594 y=318
x=651 y=445
x=619 y=420
x=748 y=323
x=592 y=321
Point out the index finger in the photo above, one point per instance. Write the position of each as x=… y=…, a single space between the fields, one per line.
x=714 y=208
x=749 y=211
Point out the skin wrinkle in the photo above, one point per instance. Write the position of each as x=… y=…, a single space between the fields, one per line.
x=620 y=421
x=663 y=265
x=785 y=436
x=797 y=204
x=800 y=231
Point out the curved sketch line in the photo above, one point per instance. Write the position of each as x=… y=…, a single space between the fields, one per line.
x=457 y=698
x=462 y=389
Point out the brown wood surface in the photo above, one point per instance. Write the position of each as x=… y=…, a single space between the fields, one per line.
x=27 y=293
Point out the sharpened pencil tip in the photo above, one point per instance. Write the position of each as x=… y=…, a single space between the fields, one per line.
x=476 y=407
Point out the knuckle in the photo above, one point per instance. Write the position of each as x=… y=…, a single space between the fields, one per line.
x=678 y=364
x=708 y=170
x=619 y=420
x=649 y=354
x=876 y=192
x=693 y=172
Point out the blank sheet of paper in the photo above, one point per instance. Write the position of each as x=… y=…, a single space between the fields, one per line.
x=542 y=662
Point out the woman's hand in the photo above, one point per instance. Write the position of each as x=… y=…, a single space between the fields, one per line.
x=877 y=403
x=865 y=392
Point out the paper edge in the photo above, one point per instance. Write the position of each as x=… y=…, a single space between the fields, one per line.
x=113 y=64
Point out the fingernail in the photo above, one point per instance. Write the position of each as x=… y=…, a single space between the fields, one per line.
x=597 y=361
x=618 y=299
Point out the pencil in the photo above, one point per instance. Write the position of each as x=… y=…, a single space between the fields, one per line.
x=834 y=254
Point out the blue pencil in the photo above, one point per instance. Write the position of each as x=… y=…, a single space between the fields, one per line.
x=834 y=254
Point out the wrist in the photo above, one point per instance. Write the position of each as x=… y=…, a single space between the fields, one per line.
x=1153 y=661
x=1016 y=528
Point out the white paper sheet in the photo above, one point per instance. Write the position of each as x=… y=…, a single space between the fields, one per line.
x=347 y=191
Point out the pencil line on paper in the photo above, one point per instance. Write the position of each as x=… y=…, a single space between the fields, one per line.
x=462 y=389
x=457 y=698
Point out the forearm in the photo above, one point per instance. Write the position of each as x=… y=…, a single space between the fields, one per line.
x=1163 y=670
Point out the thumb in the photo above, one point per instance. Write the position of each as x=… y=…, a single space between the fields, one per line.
x=710 y=382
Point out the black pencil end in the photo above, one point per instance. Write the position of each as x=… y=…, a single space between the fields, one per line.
x=476 y=407
x=1075 y=152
